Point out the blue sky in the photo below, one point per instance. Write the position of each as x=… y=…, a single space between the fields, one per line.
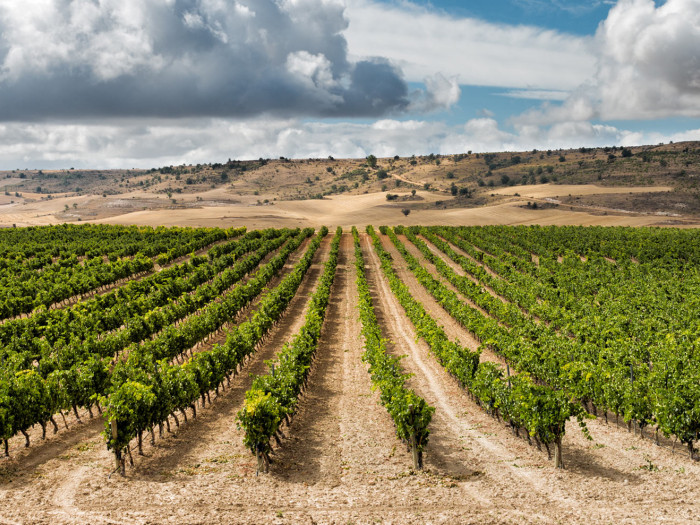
x=143 y=83
x=569 y=16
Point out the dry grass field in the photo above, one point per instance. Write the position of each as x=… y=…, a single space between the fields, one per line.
x=586 y=186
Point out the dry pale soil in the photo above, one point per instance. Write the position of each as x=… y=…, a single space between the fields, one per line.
x=340 y=461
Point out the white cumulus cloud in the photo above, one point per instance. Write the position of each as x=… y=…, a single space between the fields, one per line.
x=648 y=67
x=152 y=144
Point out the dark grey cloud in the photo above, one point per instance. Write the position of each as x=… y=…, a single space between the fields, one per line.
x=69 y=59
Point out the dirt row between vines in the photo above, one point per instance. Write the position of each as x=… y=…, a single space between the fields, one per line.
x=340 y=461
x=616 y=477
x=75 y=461
x=17 y=443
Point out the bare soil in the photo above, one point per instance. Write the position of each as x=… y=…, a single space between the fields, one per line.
x=340 y=460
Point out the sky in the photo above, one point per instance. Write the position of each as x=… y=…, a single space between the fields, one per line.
x=149 y=83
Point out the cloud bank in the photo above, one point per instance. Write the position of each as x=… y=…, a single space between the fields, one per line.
x=72 y=59
x=146 y=145
x=648 y=67
x=142 y=83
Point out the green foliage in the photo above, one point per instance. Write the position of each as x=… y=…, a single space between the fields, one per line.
x=410 y=413
x=274 y=396
x=541 y=410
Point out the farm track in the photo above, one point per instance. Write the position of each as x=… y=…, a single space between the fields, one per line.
x=340 y=460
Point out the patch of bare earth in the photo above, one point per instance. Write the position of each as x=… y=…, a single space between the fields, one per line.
x=340 y=461
x=616 y=477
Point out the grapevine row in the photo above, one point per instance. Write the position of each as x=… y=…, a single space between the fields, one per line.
x=104 y=313
x=78 y=376
x=540 y=410
x=649 y=375
x=273 y=398
x=410 y=412
x=147 y=389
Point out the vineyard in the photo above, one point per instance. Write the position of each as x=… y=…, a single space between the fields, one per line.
x=485 y=374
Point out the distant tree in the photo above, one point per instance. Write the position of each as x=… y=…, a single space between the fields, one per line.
x=453 y=189
x=371 y=161
x=382 y=174
x=465 y=192
x=626 y=152
x=450 y=175
x=413 y=193
x=405 y=211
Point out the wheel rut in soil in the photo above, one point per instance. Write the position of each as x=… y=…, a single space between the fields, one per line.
x=610 y=457
x=460 y=439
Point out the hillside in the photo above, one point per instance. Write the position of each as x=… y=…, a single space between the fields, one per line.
x=650 y=184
